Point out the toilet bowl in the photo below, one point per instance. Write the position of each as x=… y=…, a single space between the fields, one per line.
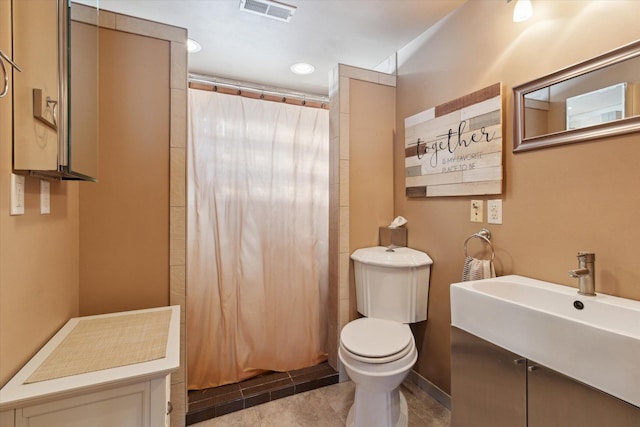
x=377 y=354
x=378 y=351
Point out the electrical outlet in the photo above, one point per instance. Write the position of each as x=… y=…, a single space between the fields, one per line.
x=17 y=194
x=476 y=211
x=45 y=197
x=494 y=211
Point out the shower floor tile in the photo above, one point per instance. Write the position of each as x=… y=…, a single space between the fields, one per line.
x=218 y=401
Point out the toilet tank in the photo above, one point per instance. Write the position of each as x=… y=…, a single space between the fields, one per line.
x=392 y=285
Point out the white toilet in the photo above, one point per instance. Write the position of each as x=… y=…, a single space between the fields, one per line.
x=378 y=351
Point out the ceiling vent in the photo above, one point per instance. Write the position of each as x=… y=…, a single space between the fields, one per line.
x=268 y=8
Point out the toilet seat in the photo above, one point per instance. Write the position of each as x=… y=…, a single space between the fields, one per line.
x=372 y=340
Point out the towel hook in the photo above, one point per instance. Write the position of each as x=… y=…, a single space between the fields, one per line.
x=484 y=235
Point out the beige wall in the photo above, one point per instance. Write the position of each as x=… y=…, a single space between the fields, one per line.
x=362 y=110
x=38 y=253
x=371 y=132
x=124 y=217
x=556 y=201
x=40 y=259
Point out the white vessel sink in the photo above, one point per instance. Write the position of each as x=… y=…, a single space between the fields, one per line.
x=598 y=345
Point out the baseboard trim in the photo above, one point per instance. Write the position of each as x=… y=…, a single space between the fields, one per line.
x=431 y=389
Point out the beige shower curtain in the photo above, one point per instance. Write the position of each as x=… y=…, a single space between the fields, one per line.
x=257 y=256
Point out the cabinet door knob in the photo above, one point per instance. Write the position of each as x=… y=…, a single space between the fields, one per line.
x=519 y=361
x=532 y=368
x=169 y=408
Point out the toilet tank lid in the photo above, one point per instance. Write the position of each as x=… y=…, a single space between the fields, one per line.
x=400 y=257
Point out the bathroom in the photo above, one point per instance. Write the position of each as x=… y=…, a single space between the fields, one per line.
x=556 y=201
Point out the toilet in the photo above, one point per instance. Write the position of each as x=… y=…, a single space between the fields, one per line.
x=378 y=350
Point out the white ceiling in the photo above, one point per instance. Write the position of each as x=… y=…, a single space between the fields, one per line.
x=245 y=47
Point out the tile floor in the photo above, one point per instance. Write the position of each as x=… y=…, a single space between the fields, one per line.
x=219 y=401
x=328 y=407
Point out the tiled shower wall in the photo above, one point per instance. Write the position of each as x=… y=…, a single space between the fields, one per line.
x=341 y=297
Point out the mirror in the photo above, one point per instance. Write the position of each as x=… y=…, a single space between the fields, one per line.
x=55 y=116
x=84 y=86
x=594 y=99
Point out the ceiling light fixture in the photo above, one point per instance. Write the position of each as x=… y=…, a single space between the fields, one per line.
x=302 y=68
x=522 y=11
x=193 y=46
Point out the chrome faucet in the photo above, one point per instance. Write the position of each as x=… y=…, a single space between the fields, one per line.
x=585 y=273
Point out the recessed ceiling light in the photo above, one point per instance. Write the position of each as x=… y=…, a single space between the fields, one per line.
x=193 y=46
x=302 y=68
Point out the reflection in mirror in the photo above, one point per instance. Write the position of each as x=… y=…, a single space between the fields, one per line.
x=594 y=99
x=55 y=116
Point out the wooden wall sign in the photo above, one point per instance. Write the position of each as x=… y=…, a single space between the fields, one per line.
x=455 y=149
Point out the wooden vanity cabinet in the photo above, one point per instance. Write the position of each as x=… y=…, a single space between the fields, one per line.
x=493 y=387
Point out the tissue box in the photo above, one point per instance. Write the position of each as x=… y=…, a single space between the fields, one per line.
x=392 y=236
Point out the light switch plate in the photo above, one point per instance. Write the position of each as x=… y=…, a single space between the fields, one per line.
x=17 y=194
x=476 y=210
x=45 y=197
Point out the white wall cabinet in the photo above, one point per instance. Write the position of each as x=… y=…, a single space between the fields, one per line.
x=133 y=395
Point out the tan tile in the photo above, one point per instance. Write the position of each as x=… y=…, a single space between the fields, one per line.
x=387 y=79
x=177 y=196
x=244 y=418
x=359 y=74
x=177 y=286
x=328 y=406
x=177 y=251
x=344 y=95
x=334 y=101
x=344 y=229
x=345 y=120
x=344 y=182
x=178 y=66
x=334 y=123
x=83 y=13
x=345 y=313
x=334 y=161
x=107 y=19
x=178 y=137
x=180 y=375
x=151 y=29
x=178 y=400
x=305 y=409
x=343 y=274
x=177 y=222
x=340 y=397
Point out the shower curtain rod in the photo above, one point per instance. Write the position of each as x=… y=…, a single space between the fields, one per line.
x=262 y=90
